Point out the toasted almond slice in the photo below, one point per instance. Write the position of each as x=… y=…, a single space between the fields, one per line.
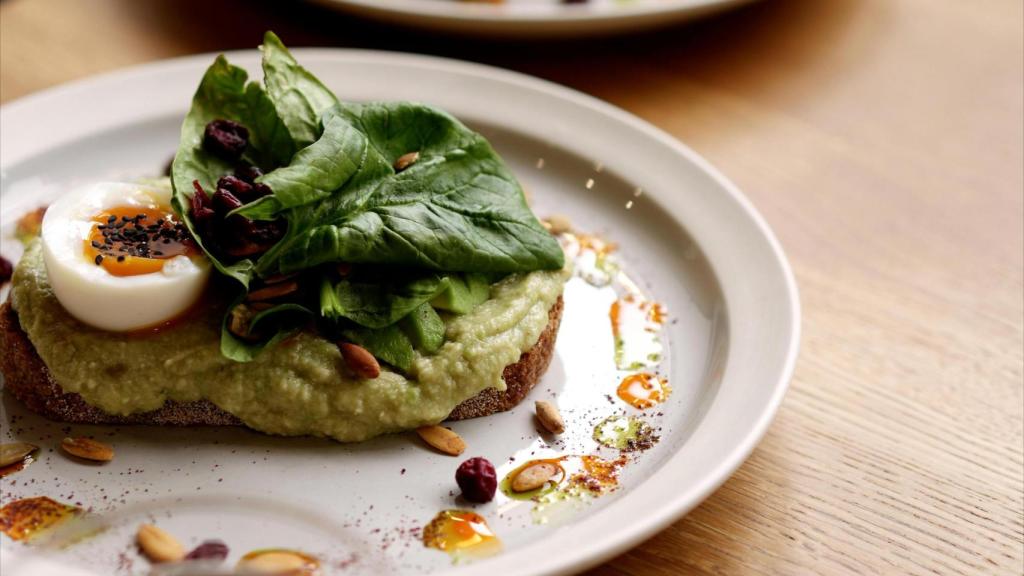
x=443 y=439
x=533 y=477
x=88 y=448
x=272 y=291
x=406 y=160
x=278 y=562
x=359 y=360
x=549 y=417
x=558 y=224
x=14 y=452
x=158 y=545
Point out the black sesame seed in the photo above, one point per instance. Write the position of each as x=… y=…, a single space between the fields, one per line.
x=111 y=219
x=96 y=244
x=120 y=258
x=98 y=259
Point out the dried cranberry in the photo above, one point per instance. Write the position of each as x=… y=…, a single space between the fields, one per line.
x=477 y=479
x=226 y=139
x=224 y=201
x=237 y=186
x=245 y=237
x=209 y=550
x=261 y=190
x=202 y=207
x=248 y=173
x=6 y=269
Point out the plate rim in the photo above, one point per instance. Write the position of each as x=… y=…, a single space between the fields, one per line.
x=529 y=20
x=714 y=476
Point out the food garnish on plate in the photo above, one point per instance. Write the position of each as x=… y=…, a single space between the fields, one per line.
x=311 y=267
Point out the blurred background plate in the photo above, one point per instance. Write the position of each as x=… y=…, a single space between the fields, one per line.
x=533 y=18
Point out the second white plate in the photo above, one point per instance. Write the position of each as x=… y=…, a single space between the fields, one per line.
x=533 y=18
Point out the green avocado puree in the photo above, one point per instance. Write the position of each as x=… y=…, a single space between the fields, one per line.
x=298 y=387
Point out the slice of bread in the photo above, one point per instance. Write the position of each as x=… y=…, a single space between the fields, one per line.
x=27 y=378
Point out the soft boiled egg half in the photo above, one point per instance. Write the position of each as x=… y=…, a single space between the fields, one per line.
x=118 y=257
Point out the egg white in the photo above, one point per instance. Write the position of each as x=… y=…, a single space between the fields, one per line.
x=97 y=297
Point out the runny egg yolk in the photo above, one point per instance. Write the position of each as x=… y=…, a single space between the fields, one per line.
x=133 y=240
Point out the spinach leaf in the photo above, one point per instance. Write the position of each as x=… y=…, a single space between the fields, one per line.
x=314 y=172
x=458 y=208
x=376 y=300
x=224 y=93
x=389 y=344
x=299 y=97
x=279 y=322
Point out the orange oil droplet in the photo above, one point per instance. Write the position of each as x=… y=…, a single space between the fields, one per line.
x=598 y=474
x=460 y=531
x=29 y=517
x=643 y=390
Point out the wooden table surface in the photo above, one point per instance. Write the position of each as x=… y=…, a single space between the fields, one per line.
x=881 y=139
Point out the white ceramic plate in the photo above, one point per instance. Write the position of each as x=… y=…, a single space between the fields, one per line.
x=688 y=236
x=533 y=18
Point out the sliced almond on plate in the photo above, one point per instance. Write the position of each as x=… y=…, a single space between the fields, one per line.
x=88 y=449
x=278 y=562
x=14 y=452
x=158 y=545
x=534 y=477
x=443 y=439
x=549 y=417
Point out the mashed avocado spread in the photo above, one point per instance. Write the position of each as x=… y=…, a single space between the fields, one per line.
x=298 y=387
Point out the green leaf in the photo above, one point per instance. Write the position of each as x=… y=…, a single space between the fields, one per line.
x=279 y=322
x=316 y=171
x=458 y=208
x=376 y=300
x=425 y=328
x=299 y=97
x=224 y=93
x=388 y=344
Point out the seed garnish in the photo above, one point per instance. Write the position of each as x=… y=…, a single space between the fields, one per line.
x=88 y=449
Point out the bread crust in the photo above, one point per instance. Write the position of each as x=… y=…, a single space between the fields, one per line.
x=28 y=379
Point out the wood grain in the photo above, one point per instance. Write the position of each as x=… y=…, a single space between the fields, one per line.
x=882 y=139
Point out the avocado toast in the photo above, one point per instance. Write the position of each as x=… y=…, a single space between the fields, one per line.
x=375 y=268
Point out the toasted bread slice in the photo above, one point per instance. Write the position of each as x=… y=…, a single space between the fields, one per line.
x=30 y=381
